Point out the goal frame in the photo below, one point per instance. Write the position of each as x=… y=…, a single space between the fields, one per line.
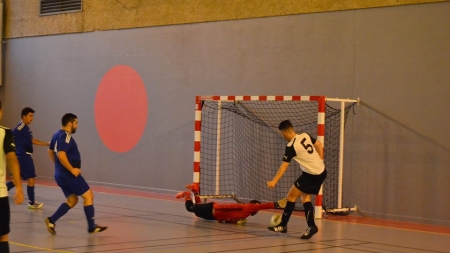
x=321 y=104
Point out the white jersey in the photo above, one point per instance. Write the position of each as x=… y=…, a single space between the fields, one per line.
x=6 y=146
x=301 y=149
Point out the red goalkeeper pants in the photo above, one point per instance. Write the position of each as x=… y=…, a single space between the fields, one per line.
x=235 y=212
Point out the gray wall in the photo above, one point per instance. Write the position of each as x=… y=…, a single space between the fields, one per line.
x=395 y=59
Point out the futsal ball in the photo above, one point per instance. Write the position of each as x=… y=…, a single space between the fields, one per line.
x=275 y=220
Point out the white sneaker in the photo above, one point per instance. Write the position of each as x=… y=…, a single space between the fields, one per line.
x=36 y=205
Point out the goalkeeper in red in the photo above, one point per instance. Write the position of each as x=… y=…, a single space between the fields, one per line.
x=308 y=153
x=228 y=213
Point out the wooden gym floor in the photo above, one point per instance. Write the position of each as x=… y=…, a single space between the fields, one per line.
x=149 y=222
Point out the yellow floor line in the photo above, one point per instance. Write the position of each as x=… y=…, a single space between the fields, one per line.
x=39 y=248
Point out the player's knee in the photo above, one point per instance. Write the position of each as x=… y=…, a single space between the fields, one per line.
x=71 y=202
x=31 y=181
x=305 y=198
x=88 y=197
x=292 y=197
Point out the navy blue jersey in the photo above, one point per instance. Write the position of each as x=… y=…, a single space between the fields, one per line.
x=24 y=139
x=63 y=141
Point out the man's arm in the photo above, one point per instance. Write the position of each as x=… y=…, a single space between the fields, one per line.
x=13 y=165
x=51 y=154
x=39 y=143
x=319 y=148
x=62 y=157
x=280 y=172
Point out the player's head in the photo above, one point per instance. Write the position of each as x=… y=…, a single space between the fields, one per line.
x=286 y=129
x=70 y=122
x=27 y=115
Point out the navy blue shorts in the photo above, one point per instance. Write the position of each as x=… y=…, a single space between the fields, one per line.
x=26 y=167
x=5 y=216
x=72 y=185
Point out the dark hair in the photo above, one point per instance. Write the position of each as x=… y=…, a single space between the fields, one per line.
x=0 y=105
x=68 y=117
x=285 y=125
x=25 y=111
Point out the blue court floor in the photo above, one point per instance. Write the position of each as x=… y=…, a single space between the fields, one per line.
x=146 y=222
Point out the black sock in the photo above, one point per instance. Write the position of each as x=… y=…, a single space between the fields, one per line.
x=4 y=247
x=287 y=213
x=309 y=213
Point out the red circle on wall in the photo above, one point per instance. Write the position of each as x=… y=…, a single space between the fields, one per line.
x=121 y=108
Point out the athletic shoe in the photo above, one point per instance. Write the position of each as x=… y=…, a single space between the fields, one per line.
x=278 y=228
x=36 y=205
x=182 y=195
x=193 y=188
x=310 y=232
x=50 y=226
x=97 y=229
x=281 y=203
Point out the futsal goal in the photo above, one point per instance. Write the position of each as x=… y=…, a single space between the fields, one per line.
x=238 y=148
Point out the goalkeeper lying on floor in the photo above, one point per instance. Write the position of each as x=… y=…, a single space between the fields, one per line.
x=229 y=213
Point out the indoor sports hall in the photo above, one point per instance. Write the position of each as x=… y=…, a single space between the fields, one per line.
x=171 y=93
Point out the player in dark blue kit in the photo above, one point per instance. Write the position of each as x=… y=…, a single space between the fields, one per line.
x=63 y=151
x=24 y=141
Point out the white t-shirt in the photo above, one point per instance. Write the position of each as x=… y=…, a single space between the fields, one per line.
x=6 y=146
x=301 y=149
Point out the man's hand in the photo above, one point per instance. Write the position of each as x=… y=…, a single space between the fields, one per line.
x=76 y=172
x=18 y=197
x=271 y=184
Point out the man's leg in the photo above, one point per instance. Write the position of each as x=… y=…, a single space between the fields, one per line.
x=252 y=209
x=4 y=224
x=4 y=245
x=71 y=201
x=89 y=211
x=30 y=190
x=10 y=185
x=29 y=173
x=309 y=215
x=292 y=196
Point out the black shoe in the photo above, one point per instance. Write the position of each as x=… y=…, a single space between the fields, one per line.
x=278 y=228
x=97 y=229
x=50 y=226
x=310 y=232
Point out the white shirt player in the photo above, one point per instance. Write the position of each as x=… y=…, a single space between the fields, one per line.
x=301 y=149
x=6 y=146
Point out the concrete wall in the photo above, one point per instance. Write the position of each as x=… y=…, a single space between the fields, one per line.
x=395 y=59
x=23 y=20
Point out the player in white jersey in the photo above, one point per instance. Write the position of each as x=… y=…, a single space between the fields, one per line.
x=308 y=153
x=7 y=158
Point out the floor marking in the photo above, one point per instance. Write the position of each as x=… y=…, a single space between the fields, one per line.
x=39 y=248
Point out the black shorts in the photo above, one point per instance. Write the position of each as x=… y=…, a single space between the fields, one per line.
x=4 y=216
x=310 y=184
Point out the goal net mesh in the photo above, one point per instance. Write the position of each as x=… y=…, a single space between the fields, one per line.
x=241 y=148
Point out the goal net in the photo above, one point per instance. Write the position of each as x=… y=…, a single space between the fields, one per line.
x=238 y=147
